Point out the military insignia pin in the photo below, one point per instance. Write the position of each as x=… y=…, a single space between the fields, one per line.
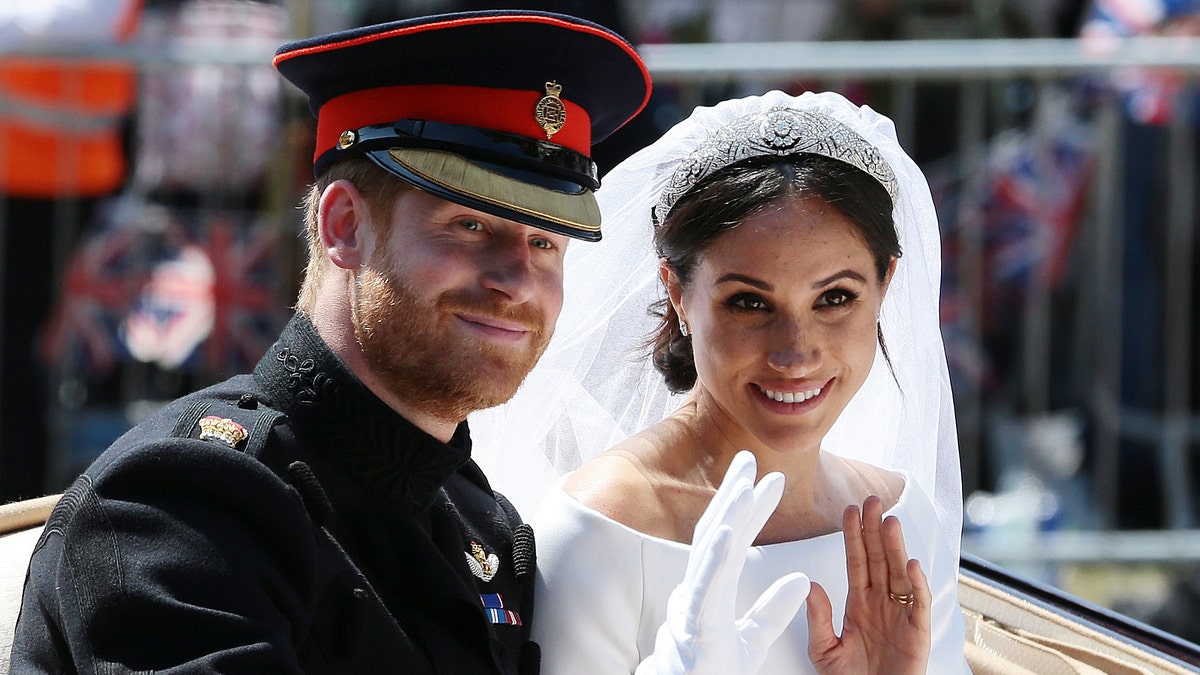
x=222 y=430
x=483 y=565
x=346 y=139
x=550 y=113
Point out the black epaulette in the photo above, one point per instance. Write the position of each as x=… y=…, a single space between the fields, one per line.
x=245 y=425
x=242 y=424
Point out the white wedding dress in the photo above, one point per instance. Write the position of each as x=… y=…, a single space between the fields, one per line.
x=602 y=587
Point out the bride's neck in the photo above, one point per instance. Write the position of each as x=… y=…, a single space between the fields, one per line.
x=718 y=434
x=703 y=443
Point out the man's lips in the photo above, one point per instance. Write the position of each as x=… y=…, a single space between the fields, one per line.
x=496 y=327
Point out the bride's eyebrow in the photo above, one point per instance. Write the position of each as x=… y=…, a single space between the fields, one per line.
x=844 y=274
x=749 y=281
x=760 y=284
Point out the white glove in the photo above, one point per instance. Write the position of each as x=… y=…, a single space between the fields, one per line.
x=700 y=635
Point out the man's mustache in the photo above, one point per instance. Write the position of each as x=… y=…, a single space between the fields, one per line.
x=529 y=316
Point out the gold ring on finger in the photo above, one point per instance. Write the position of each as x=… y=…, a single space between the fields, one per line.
x=906 y=599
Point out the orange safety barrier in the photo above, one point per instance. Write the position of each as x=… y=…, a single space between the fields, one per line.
x=60 y=125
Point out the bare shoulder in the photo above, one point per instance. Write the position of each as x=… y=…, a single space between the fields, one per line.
x=873 y=480
x=621 y=485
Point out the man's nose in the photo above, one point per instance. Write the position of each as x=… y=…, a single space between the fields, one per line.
x=510 y=270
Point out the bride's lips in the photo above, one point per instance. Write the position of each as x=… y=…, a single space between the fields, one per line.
x=792 y=398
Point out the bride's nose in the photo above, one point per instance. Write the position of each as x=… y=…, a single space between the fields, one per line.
x=792 y=349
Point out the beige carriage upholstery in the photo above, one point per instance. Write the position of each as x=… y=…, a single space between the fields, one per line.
x=20 y=527
x=1010 y=634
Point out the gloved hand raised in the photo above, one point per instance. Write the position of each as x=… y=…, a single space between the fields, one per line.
x=701 y=635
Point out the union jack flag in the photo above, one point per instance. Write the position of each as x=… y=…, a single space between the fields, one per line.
x=250 y=307
x=1038 y=189
x=202 y=293
x=174 y=312
x=1028 y=209
x=101 y=281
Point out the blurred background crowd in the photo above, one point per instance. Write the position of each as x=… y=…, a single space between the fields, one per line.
x=151 y=162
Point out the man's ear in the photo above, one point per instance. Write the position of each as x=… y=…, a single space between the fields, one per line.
x=344 y=225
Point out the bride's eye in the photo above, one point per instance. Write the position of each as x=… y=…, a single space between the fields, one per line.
x=748 y=301
x=837 y=297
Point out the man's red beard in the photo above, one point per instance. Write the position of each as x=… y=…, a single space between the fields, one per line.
x=410 y=345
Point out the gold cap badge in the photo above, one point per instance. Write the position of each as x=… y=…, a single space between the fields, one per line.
x=222 y=430
x=550 y=113
x=347 y=139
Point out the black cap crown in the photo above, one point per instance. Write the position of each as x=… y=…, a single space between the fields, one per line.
x=494 y=110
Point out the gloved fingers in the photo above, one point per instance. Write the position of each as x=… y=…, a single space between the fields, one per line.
x=741 y=472
x=705 y=581
x=731 y=554
x=717 y=557
x=767 y=494
x=771 y=613
x=746 y=524
x=731 y=508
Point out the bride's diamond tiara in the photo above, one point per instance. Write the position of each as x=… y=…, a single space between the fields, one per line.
x=777 y=131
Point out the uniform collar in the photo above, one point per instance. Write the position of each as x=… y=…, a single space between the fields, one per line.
x=333 y=412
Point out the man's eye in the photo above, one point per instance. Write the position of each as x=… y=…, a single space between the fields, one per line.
x=472 y=225
x=542 y=242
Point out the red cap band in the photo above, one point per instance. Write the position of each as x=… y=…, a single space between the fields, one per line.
x=506 y=110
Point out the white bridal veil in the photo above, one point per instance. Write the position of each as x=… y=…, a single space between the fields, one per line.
x=595 y=384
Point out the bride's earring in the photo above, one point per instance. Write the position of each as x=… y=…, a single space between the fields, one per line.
x=683 y=327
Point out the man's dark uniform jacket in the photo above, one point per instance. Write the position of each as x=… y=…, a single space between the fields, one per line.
x=336 y=537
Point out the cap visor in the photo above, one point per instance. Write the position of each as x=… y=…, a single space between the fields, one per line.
x=464 y=182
